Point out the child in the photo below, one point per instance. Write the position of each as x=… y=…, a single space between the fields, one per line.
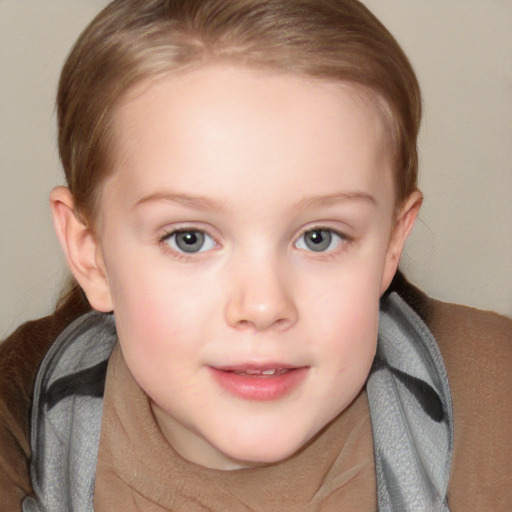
x=241 y=182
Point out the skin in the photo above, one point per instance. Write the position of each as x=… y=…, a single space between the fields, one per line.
x=255 y=161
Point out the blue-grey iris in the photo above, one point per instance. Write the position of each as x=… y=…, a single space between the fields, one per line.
x=190 y=241
x=318 y=240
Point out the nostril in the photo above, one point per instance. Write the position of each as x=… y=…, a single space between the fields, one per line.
x=243 y=324
x=259 y=324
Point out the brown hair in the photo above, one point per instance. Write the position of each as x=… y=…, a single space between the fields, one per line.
x=135 y=40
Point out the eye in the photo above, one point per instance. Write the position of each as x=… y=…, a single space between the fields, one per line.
x=189 y=241
x=320 y=240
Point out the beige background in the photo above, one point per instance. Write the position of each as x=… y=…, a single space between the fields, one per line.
x=461 y=250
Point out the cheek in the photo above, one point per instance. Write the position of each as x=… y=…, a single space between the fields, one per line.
x=354 y=337
x=158 y=333
x=160 y=310
x=347 y=296
x=343 y=316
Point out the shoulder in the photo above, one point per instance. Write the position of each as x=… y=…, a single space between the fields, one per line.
x=476 y=347
x=20 y=357
x=477 y=351
x=474 y=343
x=479 y=339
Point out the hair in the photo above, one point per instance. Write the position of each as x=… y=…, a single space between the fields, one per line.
x=135 y=41
x=132 y=41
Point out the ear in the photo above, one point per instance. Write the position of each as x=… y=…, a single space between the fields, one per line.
x=81 y=248
x=403 y=226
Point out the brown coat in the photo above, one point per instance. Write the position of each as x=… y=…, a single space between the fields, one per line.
x=476 y=347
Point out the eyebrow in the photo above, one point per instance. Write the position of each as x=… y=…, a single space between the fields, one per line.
x=196 y=202
x=326 y=200
x=208 y=204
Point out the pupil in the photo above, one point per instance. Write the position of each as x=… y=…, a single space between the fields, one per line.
x=190 y=241
x=190 y=238
x=317 y=237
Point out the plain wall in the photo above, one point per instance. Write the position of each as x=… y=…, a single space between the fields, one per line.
x=461 y=248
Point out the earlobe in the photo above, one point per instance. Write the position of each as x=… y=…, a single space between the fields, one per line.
x=81 y=248
x=403 y=227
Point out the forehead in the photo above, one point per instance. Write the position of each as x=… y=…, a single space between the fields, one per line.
x=225 y=125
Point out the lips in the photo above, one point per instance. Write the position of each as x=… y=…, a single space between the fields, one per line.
x=260 y=383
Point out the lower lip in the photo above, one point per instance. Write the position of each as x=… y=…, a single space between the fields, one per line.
x=260 y=388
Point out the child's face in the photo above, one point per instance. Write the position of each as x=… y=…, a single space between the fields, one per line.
x=247 y=229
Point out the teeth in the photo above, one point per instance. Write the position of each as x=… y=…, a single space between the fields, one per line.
x=260 y=372
x=252 y=372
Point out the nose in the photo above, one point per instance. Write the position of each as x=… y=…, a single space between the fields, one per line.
x=260 y=299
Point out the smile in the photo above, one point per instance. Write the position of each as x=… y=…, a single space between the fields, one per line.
x=260 y=384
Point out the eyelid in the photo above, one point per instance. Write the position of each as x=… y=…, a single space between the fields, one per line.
x=325 y=226
x=177 y=227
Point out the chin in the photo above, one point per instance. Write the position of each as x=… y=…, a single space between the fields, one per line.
x=261 y=452
x=257 y=460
